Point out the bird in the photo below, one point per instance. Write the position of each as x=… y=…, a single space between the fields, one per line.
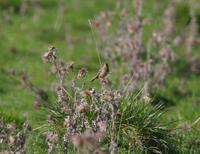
x=102 y=73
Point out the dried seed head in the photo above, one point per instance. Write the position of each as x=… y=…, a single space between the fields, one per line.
x=25 y=77
x=64 y=70
x=20 y=139
x=67 y=122
x=117 y=95
x=88 y=92
x=157 y=37
x=123 y=13
x=65 y=109
x=37 y=103
x=131 y=28
x=52 y=137
x=95 y=23
x=50 y=55
x=106 y=81
x=12 y=126
x=62 y=94
x=107 y=96
x=166 y=53
x=27 y=126
x=92 y=91
x=102 y=126
x=82 y=73
x=11 y=140
x=82 y=106
x=70 y=66
x=61 y=63
x=86 y=141
x=147 y=98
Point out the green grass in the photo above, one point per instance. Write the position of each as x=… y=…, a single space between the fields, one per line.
x=31 y=38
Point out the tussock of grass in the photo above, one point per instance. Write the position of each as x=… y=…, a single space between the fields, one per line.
x=140 y=127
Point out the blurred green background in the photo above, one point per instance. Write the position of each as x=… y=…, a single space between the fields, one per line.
x=25 y=37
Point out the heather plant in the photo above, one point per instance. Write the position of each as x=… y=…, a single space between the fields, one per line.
x=136 y=62
x=13 y=137
x=164 y=44
x=125 y=48
x=98 y=121
x=24 y=7
x=79 y=110
x=192 y=38
x=95 y=121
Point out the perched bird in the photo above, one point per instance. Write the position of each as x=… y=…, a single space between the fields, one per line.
x=102 y=73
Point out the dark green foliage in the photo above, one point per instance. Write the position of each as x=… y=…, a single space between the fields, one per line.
x=5 y=4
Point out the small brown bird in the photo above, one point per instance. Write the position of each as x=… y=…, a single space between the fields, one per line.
x=102 y=73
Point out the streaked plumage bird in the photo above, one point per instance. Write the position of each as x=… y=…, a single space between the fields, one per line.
x=102 y=73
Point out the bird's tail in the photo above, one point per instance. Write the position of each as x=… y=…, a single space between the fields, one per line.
x=96 y=77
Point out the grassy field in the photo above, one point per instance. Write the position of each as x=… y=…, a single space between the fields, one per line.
x=24 y=40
